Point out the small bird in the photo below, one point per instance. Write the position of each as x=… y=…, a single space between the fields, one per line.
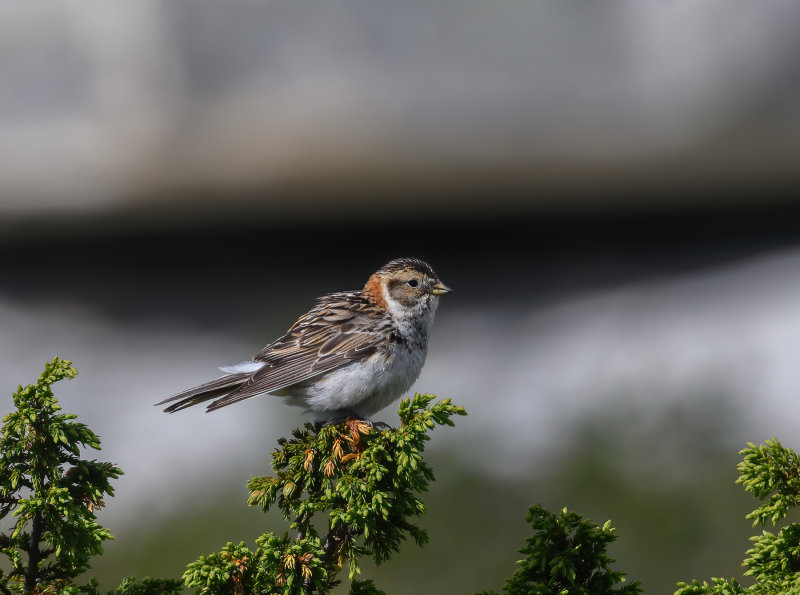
x=351 y=355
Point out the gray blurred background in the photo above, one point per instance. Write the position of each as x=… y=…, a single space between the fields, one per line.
x=608 y=186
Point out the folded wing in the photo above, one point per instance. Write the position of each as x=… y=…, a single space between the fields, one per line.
x=340 y=330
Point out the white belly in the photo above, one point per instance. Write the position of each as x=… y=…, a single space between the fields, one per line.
x=363 y=388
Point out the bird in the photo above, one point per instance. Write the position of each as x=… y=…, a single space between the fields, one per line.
x=351 y=355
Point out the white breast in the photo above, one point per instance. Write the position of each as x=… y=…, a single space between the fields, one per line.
x=363 y=388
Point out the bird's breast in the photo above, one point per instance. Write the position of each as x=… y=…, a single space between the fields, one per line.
x=369 y=385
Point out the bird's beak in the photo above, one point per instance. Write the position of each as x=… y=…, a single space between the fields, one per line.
x=440 y=289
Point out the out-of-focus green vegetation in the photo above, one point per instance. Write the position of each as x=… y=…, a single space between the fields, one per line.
x=567 y=554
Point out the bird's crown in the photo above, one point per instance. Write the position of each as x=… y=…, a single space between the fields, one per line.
x=401 y=264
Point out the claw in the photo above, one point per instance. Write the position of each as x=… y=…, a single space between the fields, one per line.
x=344 y=416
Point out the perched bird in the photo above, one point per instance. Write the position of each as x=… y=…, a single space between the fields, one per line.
x=350 y=356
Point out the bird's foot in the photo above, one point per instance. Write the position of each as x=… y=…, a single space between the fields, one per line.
x=344 y=416
x=376 y=425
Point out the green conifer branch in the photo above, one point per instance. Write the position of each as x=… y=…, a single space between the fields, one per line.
x=566 y=555
x=364 y=483
x=346 y=491
x=53 y=493
x=771 y=472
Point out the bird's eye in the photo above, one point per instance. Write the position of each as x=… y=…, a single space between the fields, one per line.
x=413 y=283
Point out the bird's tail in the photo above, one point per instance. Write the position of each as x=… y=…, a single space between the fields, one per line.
x=205 y=392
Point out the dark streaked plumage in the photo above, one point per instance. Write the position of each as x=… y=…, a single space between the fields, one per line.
x=351 y=354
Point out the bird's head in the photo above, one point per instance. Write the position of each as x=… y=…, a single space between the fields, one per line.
x=406 y=288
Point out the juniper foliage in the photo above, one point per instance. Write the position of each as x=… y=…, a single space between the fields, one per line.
x=360 y=484
x=348 y=492
x=566 y=555
x=53 y=493
x=771 y=472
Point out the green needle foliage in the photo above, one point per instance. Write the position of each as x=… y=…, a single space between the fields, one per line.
x=770 y=472
x=566 y=555
x=53 y=493
x=347 y=491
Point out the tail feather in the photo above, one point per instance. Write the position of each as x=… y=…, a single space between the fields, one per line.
x=229 y=399
x=205 y=392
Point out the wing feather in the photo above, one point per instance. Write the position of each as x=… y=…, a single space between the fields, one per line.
x=333 y=334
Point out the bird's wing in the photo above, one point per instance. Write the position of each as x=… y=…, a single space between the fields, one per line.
x=331 y=335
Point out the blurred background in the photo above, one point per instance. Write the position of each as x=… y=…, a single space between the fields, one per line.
x=609 y=188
